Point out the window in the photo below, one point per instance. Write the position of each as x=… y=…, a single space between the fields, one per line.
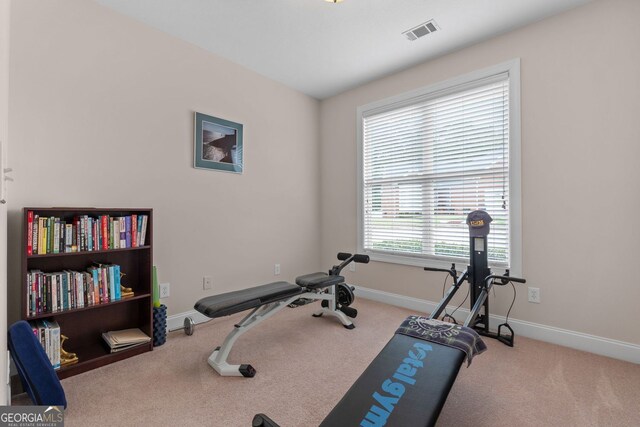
x=428 y=158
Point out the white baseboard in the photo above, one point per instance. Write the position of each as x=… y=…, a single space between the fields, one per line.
x=577 y=340
x=603 y=346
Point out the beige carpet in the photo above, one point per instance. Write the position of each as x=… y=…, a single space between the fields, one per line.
x=306 y=364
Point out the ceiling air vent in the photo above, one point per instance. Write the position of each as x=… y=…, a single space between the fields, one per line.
x=421 y=30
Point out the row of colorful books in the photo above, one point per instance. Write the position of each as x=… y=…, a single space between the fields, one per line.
x=48 y=333
x=65 y=290
x=52 y=235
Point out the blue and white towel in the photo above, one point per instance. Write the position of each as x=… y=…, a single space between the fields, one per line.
x=449 y=334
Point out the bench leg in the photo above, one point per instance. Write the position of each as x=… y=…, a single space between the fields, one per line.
x=218 y=359
x=336 y=313
x=332 y=309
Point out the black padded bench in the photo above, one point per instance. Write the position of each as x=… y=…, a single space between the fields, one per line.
x=237 y=301
x=265 y=301
x=375 y=398
x=406 y=385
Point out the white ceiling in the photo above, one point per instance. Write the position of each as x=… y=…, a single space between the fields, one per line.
x=322 y=48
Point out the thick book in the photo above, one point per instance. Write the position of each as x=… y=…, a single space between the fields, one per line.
x=53 y=344
x=35 y=241
x=123 y=232
x=30 y=233
x=42 y=233
x=112 y=282
x=55 y=240
x=134 y=231
x=116 y=275
x=104 y=235
x=127 y=221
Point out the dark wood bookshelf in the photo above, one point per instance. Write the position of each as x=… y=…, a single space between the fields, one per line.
x=84 y=326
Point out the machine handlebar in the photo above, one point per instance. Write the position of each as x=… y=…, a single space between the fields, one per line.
x=504 y=279
x=452 y=271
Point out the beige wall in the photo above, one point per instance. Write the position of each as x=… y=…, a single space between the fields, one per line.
x=580 y=176
x=101 y=112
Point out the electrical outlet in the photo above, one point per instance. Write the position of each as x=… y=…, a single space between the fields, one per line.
x=276 y=270
x=207 y=282
x=534 y=295
x=352 y=266
x=165 y=290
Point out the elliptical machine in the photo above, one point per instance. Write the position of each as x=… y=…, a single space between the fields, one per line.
x=480 y=279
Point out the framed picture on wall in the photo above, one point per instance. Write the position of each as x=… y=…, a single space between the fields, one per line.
x=217 y=144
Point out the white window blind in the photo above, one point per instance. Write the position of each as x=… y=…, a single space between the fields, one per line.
x=430 y=160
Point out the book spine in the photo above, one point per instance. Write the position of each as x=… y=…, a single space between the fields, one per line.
x=105 y=232
x=29 y=293
x=143 y=234
x=138 y=230
x=112 y=283
x=42 y=233
x=30 y=233
x=63 y=230
x=90 y=235
x=38 y=293
x=105 y=284
x=47 y=341
x=134 y=231
x=68 y=287
x=116 y=233
x=74 y=235
x=55 y=344
x=96 y=287
x=88 y=283
x=50 y=227
x=54 y=299
x=117 y=281
x=96 y=234
x=123 y=232
x=56 y=236
x=128 y=231
x=35 y=242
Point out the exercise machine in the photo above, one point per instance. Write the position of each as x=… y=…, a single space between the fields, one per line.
x=267 y=300
x=480 y=279
x=408 y=383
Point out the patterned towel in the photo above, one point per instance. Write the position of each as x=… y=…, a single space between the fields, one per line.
x=449 y=334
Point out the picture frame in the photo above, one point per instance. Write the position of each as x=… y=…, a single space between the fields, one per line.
x=218 y=144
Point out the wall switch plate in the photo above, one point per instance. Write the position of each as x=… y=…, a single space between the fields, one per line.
x=276 y=270
x=165 y=290
x=534 y=295
x=352 y=266
x=207 y=282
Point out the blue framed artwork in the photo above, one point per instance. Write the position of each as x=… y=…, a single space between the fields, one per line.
x=217 y=144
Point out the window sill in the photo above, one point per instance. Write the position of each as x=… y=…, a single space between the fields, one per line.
x=461 y=264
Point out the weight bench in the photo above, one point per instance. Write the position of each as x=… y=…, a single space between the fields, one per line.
x=267 y=300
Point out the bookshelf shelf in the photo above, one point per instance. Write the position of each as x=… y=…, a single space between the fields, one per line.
x=96 y=356
x=93 y=307
x=84 y=325
x=65 y=254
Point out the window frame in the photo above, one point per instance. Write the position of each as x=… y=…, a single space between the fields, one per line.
x=455 y=84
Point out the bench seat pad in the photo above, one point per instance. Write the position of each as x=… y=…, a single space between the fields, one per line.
x=318 y=280
x=237 y=301
x=420 y=403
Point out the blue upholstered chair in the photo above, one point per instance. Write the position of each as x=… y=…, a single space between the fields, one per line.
x=36 y=373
